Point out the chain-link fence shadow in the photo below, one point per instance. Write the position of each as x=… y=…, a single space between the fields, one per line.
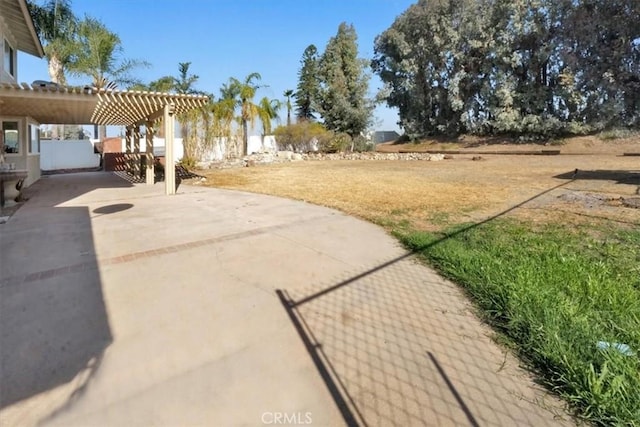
x=400 y=346
x=397 y=345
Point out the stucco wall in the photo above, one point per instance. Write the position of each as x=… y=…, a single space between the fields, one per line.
x=5 y=35
x=255 y=145
x=33 y=166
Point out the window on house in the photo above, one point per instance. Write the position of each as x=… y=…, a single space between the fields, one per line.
x=34 y=139
x=11 y=139
x=9 y=59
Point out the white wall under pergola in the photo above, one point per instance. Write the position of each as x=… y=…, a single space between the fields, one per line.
x=52 y=104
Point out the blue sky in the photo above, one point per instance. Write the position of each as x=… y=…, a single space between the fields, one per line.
x=224 y=38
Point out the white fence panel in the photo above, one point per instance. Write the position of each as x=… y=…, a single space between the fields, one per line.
x=67 y=154
x=158 y=147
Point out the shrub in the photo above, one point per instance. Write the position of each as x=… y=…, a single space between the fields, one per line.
x=337 y=143
x=360 y=143
x=403 y=139
x=187 y=162
x=301 y=137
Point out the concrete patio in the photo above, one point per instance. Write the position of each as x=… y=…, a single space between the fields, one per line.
x=122 y=306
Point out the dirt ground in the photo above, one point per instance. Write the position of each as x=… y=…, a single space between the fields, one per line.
x=432 y=195
x=574 y=145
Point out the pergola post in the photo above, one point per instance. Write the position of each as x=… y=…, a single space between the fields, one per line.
x=136 y=152
x=149 y=158
x=127 y=147
x=169 y=164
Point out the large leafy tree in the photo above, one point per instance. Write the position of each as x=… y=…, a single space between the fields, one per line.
x=604 y=59
x=519 y=67
x=430 y=59
x=308 y=86
x=343 y=101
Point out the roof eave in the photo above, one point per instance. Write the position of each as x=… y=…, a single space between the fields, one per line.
x=38 y=51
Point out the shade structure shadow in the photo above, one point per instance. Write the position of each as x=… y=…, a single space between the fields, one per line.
x=54 y=326
x=630 y=177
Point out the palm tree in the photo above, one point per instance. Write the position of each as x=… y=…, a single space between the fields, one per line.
x=243 y=93
x=56 y=26
x=184 y=84
x=97 y=56
x=268 y=111
x=288 y=94
x=163 y=84
x=185 y=81
x=98 y=53
x=222 y=118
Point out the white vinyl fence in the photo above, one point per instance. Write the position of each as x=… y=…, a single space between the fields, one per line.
x=217 y=152
x=78 y=154
x=158 y=147
x=67 y=154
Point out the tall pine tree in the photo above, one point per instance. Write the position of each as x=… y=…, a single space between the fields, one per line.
x=344 y=83
x=308 y=88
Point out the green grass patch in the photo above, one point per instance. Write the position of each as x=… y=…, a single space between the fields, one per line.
x=554 y=292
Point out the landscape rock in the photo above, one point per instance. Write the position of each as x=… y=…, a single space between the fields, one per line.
x=289 y=156
x=372 y=155
x=284 y=155
x=631 y=202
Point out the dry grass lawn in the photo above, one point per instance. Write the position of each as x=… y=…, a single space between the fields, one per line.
x=431 y=195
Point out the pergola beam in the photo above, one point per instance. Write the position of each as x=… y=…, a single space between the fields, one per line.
x=169 y=162
x=149 y=158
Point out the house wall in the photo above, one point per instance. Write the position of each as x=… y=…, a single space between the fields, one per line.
x=68 y=154
x=33 y=166
x=6 y=36
x=23 y=160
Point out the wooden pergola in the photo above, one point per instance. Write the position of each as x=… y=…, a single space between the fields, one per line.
x=53 y=104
